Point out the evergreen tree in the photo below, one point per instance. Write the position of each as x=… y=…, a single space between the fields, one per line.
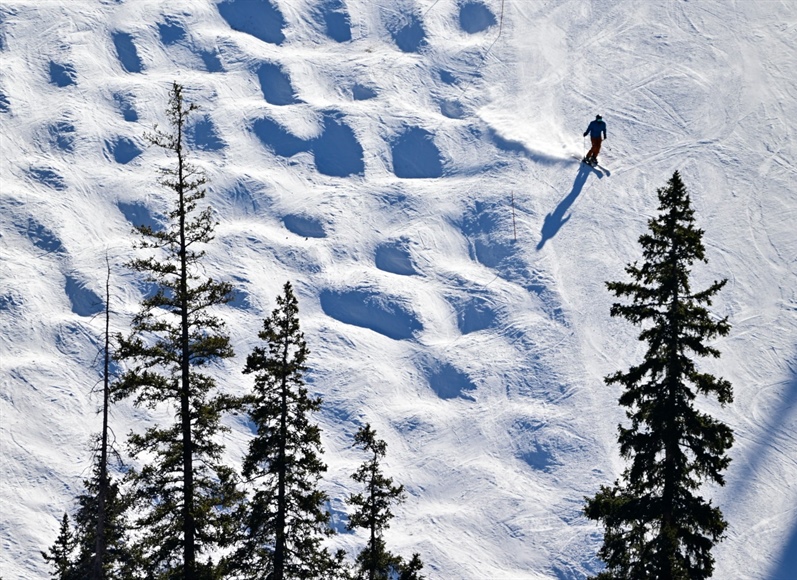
x=284 y=523
x=61 y=554
x=116 y=560
x=184 y=492
x=374 y=513
x=656 y=524
x=99 y=535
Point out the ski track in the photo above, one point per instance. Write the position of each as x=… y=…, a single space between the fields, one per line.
x=387 y=179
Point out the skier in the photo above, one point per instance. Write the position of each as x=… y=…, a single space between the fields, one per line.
x=595 y=129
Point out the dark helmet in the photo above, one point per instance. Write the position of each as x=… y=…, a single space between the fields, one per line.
x=598 y=118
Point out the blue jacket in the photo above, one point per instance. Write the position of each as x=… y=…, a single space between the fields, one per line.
x=596 y=128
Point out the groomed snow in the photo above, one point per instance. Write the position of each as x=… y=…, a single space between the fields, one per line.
x=412 y=168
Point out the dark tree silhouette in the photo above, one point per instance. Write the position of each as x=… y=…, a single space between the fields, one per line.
x=60 y=556
x=373 y=513
x=656 y=524
x=284 y=523
x=99 y=538
x=184 y=492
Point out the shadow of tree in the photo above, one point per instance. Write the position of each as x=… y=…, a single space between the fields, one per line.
x=785 y=566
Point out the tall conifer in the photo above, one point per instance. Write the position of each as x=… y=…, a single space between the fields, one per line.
x=184 y=491
x=373 y=513
x=657 y=526
x=99 y=537
x=284 y=521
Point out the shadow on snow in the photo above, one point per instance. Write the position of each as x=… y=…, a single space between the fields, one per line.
x=554 y=221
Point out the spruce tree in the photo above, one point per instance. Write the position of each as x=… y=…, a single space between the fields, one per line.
x=284 y=521
x=99 y=537
x=184 y=492
x=61 y=556
x=657 y=526
x=374 y=513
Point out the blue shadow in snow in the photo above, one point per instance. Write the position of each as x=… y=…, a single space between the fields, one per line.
x=126 y=52
x=138 y=215
x=415 y=156
x=305 y=226
x=529 y=449
x=278 y=139
x=171 y=31
x=474 y=314
x=5 y=104
x=475 y=17
x=10 y=301
x=125 y=104
x=62 y=135
x=408 y=33
x=42 y=237
x=275 y=84
x=62 y=75
x=362 y=93
x=337 y=151
x=448 y=382
x=554 y=221
x=85 y=302
x=48 y=177
x=482 y=226
x=786 y=564
x=372 y=310
x=336 y=20
x=260 y=18
x=202 y=135
x=448 y=77
x=394 y=257
x=123 y=150
x=211 y=60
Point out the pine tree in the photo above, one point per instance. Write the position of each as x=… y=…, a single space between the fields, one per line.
x=656 y=524
x=61 y=553
x=374 y=513
x=184 y=492
x=116 y=560
x=284 y=523
x=99 y=537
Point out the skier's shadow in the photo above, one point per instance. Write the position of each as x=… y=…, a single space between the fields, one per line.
x=554 y=221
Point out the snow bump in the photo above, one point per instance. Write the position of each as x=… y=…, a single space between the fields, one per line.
x=368 y=308
x=394 y=257
x=305 y=226
x=415 y=156
x=202 y=135
x=259 y=18
x=84 y=301
x=448 y=382
x=336 y=20
x=62 y=75
x=126 y=52
x=171 y=31
x=475 y=17
x=275 y=84
x=337 y=151
x=407 y=32
x=123 y=150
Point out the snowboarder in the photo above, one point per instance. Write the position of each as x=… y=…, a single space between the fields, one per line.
x=595 y=129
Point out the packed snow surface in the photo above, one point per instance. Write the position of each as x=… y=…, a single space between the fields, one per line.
x=412 y=167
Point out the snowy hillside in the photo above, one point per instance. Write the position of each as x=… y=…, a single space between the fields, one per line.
x=411 y=166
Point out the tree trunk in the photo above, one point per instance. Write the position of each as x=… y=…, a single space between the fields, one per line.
x=189 y=526
x=99 y=549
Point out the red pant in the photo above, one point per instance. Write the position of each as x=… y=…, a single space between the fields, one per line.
x=596 y=148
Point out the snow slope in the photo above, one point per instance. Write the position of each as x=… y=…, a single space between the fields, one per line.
x=412 y=167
